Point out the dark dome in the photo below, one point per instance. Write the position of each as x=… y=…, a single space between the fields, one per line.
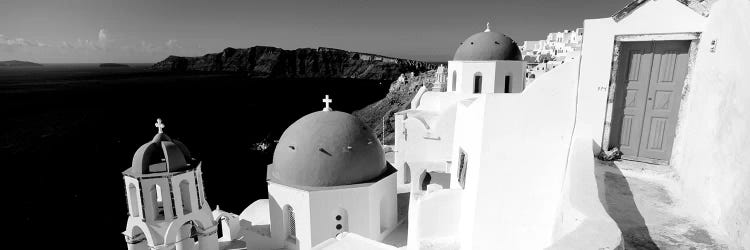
x=328 y=148
x=161 y=154
x=488 y=46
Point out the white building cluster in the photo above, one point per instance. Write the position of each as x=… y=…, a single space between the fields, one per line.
x=545 y=55
x=557 y=44
x=482 y=161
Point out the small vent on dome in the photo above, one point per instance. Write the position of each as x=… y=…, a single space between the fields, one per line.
x=292 y=147
x=497 y=42
x=472 y=43
x=324 y=151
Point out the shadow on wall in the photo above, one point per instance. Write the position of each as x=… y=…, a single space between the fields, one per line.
x=617 y=199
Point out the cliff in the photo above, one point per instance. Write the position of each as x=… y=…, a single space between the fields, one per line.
x=270 y=62
x=398 y=98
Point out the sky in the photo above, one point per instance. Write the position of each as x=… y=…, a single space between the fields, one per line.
x=147 y=31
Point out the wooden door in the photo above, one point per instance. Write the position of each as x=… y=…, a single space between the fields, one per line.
x=663 y=101
x=649 y=86
x=632 y=88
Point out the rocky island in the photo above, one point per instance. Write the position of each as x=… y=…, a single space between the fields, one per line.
x=16 y=63
x=113 y=65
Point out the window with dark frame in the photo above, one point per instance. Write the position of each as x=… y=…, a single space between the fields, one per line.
x=507 y=84
x=477 y=83
x=462 y=161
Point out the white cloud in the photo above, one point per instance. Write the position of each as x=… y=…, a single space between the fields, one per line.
x=104 y=39
x=172 y=44
x=19 y=42
x=101 y=48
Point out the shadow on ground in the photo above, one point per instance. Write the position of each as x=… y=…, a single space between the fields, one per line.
x=616 y=196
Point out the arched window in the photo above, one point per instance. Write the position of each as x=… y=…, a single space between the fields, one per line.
x=407 y=173
x=220 y=228
x=187 y=236
x=424 y=180
x=453 y=82
x=507 y=84
x=157 y=202
x=223 y=229
x=133 y=198
x=477 y=83
x=187 y=205
x=291 y=229
x=138 y=240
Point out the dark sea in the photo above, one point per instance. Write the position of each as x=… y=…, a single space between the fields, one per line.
x=67 y=131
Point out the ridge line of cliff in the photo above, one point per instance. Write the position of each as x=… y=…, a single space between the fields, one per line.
x=272 y=62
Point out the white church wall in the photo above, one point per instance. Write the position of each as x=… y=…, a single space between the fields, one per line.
x=455 y=70
x=713 y=136
x=467 y=134
x=384 y=192
x=470 y=69
x=279 y=197
x=598 y=48
x=493 y=75
x=511 y=194
x=516 y=70
x=434 y=215
x=326 y=204
x=360 y=208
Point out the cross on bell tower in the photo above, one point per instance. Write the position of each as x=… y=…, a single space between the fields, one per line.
x=159 y=125
x=328 y=103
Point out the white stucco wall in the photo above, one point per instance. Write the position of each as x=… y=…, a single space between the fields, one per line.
x=278 y=197
x=434 y=215
x=652 y=17
x=712 y=146
x=362 y=205
x=511 y=192
x=580 y=213
x=316 y=210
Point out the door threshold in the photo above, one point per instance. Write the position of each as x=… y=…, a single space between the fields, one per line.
x=646 y=160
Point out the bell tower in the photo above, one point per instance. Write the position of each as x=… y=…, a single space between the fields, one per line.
x=166 y=202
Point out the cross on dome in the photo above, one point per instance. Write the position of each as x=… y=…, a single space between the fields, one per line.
x=328 y=103
x=159 y=125
x=488 y=27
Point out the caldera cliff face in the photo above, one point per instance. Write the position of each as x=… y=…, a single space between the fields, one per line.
x=271 y=62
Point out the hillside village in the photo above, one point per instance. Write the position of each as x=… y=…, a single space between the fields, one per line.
x=637 y=140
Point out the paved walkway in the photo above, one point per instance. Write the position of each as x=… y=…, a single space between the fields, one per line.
x=641 y=198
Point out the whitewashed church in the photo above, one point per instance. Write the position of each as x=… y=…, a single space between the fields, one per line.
x=483 y=160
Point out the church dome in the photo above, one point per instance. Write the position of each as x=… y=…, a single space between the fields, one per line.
x=488 y=46
x=161 y=154
x=328 y=148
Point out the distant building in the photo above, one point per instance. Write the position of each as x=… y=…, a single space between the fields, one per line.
x=555 y=47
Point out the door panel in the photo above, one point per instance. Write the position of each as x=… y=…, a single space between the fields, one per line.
x=630 y=96
x=670 y=59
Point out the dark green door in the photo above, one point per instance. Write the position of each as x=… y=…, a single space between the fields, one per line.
x=648 y=96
